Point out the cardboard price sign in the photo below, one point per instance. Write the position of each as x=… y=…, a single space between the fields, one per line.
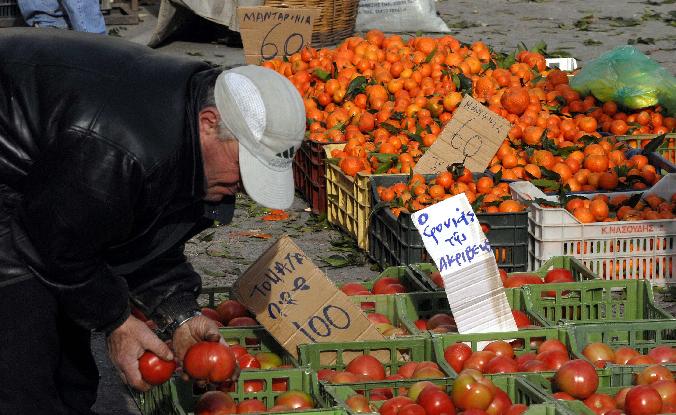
x=297 y=303
x=472 y=137
x=453 y=237
x=274 y=32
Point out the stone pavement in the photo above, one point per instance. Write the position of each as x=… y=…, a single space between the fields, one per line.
x=577 y=28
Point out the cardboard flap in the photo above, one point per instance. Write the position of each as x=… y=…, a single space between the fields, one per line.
x=472 y=137
x=275 y=32
x=297 y=303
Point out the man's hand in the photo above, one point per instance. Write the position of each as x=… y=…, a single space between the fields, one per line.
x=127 y=343
x=197 y=329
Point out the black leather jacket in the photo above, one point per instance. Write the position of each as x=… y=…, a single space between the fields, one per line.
x=101 y=176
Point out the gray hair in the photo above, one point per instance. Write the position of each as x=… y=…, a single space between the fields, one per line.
x=207 y=99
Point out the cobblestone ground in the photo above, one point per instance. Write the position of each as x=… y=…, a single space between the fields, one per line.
x=580 y=29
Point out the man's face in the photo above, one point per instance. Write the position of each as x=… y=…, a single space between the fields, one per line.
x=221 y=167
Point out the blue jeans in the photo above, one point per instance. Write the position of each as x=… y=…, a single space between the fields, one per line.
x=79 y=15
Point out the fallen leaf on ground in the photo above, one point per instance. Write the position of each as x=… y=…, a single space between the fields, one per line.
x=275 y=215
x=251 y=234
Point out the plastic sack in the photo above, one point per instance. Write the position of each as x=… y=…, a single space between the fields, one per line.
x=628 y=77
x=399 y=16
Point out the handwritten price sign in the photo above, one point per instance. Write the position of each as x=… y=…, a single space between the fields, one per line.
x=472 y=137
x=453 y=237
x=297 y=303
x=272 y=32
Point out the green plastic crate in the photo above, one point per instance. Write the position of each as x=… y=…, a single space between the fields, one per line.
x=518 y=389
x=478 y=340
x=579 y=270
x=393 y=353
x=611 y=380
x=411 y=307
x=178 y=397
x=642 y=335
x=606 y=300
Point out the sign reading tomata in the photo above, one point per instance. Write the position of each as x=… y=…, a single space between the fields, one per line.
x=274 y=32
x=453 y=237
x=472 y=137
x=297 y=303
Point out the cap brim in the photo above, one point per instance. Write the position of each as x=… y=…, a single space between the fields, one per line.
x=270 y=188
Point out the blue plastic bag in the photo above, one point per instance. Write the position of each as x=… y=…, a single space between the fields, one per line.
x=628 y=77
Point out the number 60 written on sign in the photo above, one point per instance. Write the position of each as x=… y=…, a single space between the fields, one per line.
x=290 y=42
x=332 y=317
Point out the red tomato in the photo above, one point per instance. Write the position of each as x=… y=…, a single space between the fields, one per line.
x=154 y=370
x=211 y=313
x=563 y=396
x=503 y=275
x=642 y=400
x=383 y=282
x=253 y=386
x=238 y=351
x=280 y=384
x=552 y=344
x=248 y=362
x=406 y=370
x=641 y=360
x=434 y=401
x=215 y=403
x=358 y=403
x=368 y=366
x=501 y=403
x=521 y=360
x=353 y=288
x=250 y=406
x=600 y=403
x=652 y=374
x=500 y=348
x=663 y=354
x=325 y=374
x=559 y=275
x=577 y=378
x=621 y=396
x=421 y=324
x=210 y=361
x=553 y=359
x=412 y=409
x=229 y=309
x=624 y=354
x=376 y=318
x=478 y=360
x=393 y=289
x=515 y=281
x=343 y=377
x=501 y=364
x=242 y=322
x=456 y=354
x=440 y=319
x=471 y=393
x=416 y=388
x=392 y=406
x=598 y=353
x=667 y=390
x=533 y=366
x=295 y=400
x=520 y=318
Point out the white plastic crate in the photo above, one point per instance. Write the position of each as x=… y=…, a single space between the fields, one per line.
x=613 y=250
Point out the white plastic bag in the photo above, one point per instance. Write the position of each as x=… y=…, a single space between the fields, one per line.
x=399 y=16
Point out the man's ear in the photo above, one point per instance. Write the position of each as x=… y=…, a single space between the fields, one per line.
x=208 y=122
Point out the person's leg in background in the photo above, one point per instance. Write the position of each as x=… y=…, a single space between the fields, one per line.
x=43 y=13
x=84 y=15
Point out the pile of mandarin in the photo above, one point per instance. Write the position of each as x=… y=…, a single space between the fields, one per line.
x=601 y=208
x=418 y=193
x=385 y=95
